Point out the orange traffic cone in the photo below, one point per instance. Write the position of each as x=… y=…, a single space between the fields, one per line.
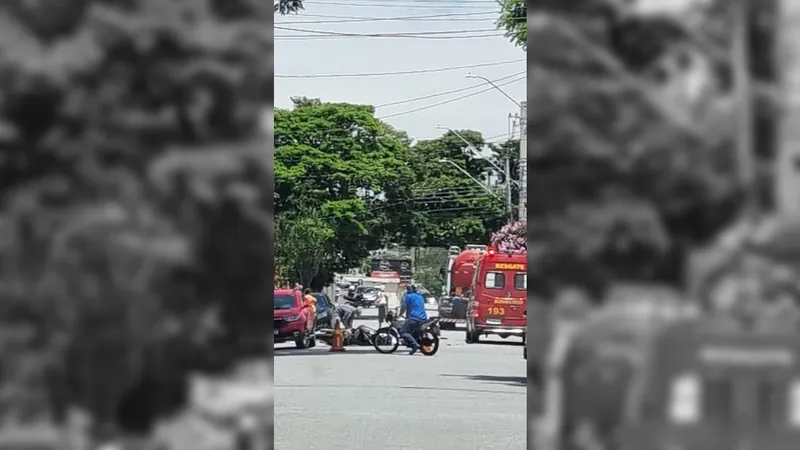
x=337 y=345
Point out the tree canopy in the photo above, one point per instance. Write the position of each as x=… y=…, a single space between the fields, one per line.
x=362 y=185
x=514 y=19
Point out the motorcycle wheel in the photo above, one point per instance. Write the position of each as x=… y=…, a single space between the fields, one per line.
x=386 y=340
x=428 y=343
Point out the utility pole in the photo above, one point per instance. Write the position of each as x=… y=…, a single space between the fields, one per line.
x=787 y=160
x=509 y=208
x=744 y=98
x=523 y=161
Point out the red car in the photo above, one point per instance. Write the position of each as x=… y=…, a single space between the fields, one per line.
x=293 y=320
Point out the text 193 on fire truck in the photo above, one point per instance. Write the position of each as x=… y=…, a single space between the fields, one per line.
x=498 y=297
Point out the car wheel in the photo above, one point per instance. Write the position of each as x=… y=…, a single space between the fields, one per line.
x=303 y=341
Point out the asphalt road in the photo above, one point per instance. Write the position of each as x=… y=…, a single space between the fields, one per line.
x=465 y=397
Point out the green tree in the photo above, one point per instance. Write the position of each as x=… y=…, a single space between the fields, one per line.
x=305 y=245
x=447 y=207
x=514 y=19
x=340 y=165
x=288 y=6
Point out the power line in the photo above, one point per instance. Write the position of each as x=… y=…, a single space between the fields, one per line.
x=480 y=211
x=409 y=4
x=433 y=20
x=454 y=198
x=327 y=16
x=401 y=72
x=454 y=91
x=400 y=34
x=487 y=140
x=446 y=17
x=422 y=108
x=426 y=2
x=431 y=38
x=424 y=18
x=433 y=192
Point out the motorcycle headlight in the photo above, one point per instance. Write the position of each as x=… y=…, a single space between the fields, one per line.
x=684 y=402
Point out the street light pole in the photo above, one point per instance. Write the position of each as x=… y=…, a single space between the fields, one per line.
x=460 y=169
x=496 y=87
x=743 y=91
x=509 y=208
x=476 y=151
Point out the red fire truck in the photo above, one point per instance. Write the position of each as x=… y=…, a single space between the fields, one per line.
x=458 y=275
x=498 y=297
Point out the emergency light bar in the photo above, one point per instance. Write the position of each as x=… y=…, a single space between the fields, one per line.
x=491 y=251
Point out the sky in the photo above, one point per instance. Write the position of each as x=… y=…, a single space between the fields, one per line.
x=303 y=53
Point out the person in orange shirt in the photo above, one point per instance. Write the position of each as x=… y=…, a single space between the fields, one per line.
x=310 y=301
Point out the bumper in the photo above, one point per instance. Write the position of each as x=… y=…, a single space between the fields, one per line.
x=287 y=331
x=286 y=336
x=452 y=310
x=500 y=329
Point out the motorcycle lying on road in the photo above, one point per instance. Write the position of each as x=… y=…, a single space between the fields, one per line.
x=387 y=339
x=363 y=336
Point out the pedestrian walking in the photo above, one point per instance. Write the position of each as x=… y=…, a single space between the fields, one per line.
x=383 y=306
x=310 y=301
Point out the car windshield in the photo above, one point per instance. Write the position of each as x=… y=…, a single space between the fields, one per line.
x=285 y=302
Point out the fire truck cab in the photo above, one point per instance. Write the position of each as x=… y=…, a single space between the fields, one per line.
x=498 y=300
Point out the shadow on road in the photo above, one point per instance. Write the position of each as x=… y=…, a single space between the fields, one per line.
x=505 y=343
x=317 y=351
x=362 y=387
x=495 y=379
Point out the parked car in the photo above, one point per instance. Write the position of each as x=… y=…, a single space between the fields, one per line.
x=293 y=321
x=325 y=311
